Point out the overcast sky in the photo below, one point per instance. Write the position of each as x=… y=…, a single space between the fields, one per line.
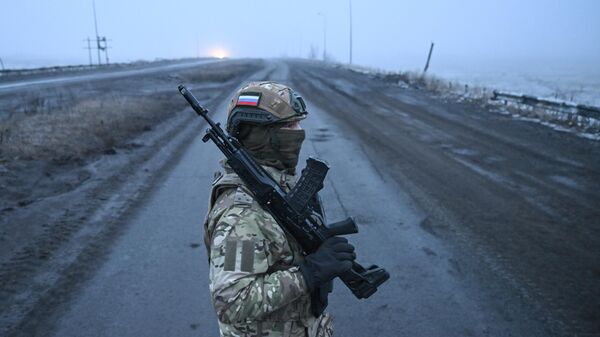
x=387 y=34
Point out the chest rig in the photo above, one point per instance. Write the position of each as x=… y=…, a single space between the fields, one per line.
x=230 y=186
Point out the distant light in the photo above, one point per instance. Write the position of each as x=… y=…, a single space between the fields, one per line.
x=219 y=53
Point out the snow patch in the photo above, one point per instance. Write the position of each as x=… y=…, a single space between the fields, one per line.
x=561 y=120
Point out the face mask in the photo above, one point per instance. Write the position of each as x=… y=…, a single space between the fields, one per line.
x=289 y=143
x=275 y=147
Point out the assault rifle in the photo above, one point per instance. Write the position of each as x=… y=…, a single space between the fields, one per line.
x=293 y=211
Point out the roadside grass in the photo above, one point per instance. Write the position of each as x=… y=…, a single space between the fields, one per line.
x=84 y=127
x=439 y=85
x=67 y=123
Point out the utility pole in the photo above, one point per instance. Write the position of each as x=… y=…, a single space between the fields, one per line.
x=89 y=48
x=105 y=48
x=350 y=5
x=101 y=41
x=98 y=47
x=324 y=36
x=428 y=58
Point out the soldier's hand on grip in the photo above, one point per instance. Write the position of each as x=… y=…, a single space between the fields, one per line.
x=331 y=259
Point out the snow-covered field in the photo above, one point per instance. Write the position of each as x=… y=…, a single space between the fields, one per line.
x=570 y=81
x=567 y=79
x=577 y=87
x=575 y=84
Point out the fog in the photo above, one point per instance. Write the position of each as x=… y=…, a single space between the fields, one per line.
x=541 y=47
x=387 y=34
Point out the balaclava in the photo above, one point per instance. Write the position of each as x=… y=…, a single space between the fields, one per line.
x=273 y=146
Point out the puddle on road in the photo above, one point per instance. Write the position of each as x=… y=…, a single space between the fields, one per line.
x=566 y=181
x=321 y=135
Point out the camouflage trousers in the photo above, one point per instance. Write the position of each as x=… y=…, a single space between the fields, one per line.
x=320 y=327
x=323 y=326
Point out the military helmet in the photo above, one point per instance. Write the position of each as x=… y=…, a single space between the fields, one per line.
x=262 y=103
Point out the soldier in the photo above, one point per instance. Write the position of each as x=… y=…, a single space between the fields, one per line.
x=261 y=283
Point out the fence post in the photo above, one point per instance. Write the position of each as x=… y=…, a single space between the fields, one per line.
x=428 y=58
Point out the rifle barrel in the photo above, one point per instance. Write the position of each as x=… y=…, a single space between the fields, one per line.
x=191 y=99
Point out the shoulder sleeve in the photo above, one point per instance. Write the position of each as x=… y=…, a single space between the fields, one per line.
x=241 y=287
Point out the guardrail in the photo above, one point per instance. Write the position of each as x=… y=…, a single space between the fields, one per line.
x=580 y=109
x=44 y=70
x=59 y=69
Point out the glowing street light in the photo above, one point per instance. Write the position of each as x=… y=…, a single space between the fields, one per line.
x=219 y=53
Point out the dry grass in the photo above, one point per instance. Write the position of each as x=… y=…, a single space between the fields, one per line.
x=482 y=96
x=438 y=85
x=72 y=122
x=88 y=126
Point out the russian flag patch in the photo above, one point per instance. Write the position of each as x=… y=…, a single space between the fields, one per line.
x=248 y=99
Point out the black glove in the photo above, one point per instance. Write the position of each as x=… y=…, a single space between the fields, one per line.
x=320 y=298
x=331 y=259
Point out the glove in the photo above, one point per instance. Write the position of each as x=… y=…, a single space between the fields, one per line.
x=331 y=259
x=320 y=298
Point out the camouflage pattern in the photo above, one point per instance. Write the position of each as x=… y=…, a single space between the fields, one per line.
x=278 y=100
x=256 y=287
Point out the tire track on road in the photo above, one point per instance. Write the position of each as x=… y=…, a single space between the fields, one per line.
x=460 y=197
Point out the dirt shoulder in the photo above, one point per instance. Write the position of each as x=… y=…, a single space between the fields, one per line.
x=73 y=161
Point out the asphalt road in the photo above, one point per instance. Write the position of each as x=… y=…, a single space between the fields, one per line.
x=518 y=202
x=487 y=225
x=53 y=80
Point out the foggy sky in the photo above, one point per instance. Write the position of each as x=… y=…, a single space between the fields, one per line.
x=387 y=34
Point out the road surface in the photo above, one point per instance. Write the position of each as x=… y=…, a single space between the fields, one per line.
x=487 y=225
x=104 y=75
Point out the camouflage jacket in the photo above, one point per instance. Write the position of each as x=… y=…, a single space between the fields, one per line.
x=256 y=286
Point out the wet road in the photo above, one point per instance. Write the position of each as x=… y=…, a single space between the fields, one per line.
x=111 y=74
x=518 y=202
x=429 y=212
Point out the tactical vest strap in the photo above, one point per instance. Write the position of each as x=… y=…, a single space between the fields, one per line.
x=225 y=181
